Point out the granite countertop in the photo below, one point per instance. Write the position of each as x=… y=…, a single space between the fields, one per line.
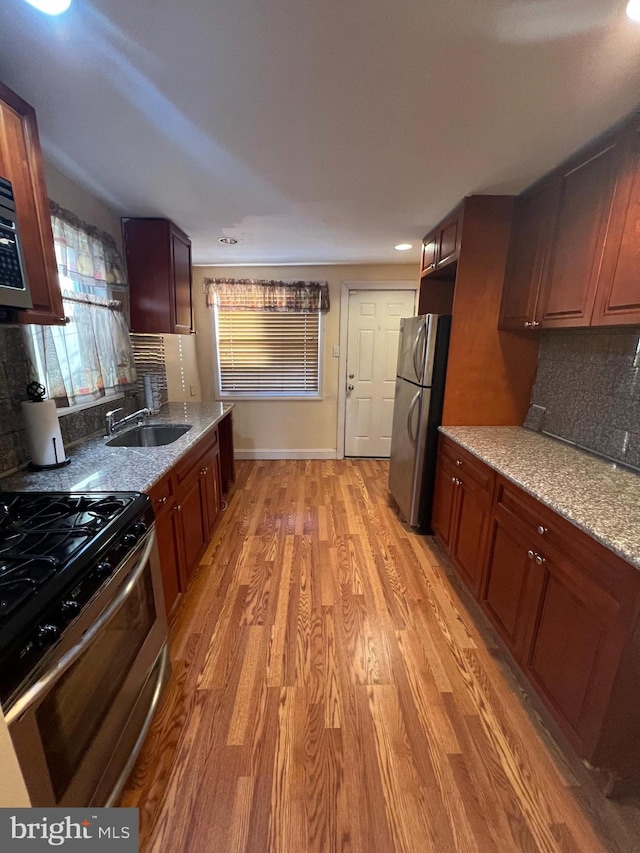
x=599 y=497
x=95 y=467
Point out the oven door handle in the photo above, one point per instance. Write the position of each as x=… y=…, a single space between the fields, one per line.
x=43 y=684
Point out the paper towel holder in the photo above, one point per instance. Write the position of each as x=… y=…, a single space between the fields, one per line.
x=36 y=392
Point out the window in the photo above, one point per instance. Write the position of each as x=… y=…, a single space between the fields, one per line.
x=268 y=336
x=268 y=353
x=90 y=358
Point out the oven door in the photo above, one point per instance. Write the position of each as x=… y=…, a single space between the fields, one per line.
x=77 y=729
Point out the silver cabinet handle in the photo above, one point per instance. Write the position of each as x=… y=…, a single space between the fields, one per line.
x=542 y=530
x=530 y=554
x=540 y=560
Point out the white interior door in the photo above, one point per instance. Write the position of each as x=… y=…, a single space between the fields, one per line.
x=372 y=352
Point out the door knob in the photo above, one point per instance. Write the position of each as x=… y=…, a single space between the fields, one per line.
x=351 y=375
x=350 y=387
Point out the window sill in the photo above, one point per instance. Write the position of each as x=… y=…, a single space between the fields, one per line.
x=268 y=398
x=79 y=407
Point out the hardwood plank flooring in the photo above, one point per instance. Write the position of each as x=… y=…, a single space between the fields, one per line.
x=336 y=689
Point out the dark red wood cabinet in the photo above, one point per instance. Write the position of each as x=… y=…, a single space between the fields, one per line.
x=21 y=163
x=441 y=247
x=158 y=257
x=566 y=608
x=188 y=502
x=462 y=507
x=528 y=248
x=574 y=251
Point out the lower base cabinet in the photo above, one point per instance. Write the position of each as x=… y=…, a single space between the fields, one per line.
x=567 y=609
x=187 y=502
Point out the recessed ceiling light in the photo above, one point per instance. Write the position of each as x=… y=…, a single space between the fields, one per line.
x=402 y=247
x=51 y=7
x=633 y=10
x=228 y=241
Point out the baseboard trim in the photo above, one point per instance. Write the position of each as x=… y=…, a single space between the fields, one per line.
x=257 y=453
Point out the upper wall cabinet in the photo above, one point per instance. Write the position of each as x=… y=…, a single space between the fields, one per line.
x=441 y=247
x=21 y=163
x=159 y=267
x=574 y=253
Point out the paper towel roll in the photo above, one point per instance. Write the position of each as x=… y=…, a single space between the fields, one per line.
x=43 y=433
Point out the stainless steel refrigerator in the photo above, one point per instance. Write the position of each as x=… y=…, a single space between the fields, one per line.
x=417 y=414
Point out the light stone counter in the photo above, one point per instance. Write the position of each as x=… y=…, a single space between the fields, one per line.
x=599 y=497
x=95 y=467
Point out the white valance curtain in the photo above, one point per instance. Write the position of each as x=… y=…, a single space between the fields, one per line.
x=91 y=355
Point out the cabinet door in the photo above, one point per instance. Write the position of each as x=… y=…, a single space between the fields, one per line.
x=448 y=239
x=444 y=500
x=528 y=246
x=181 y=275
x=506 y=589
x=573 y=650
x=211 y=474
x=21 y=163
x=191 y=508
x=618 y=295
x=429 y=248
x=168 y=535
x=571 y=275
x=470 y=530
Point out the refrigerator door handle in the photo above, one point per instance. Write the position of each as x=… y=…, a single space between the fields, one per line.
x=416 y=366
x=414 y=402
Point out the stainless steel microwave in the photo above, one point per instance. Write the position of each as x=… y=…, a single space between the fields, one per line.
x=14 y=287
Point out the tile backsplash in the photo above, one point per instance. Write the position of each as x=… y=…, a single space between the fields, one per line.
x=14 y=451
x=588 y=381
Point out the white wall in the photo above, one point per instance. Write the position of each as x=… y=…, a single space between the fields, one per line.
x=87 y=207
x=295 y=427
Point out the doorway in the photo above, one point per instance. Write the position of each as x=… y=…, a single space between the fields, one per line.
x=370 y=340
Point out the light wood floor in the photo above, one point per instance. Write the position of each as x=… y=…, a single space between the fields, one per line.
x=331 y=691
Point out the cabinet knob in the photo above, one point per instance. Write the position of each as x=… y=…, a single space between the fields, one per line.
x=163 y=501
x=540 y=560
x=458 y=462
x=453 y=480
x=527 y=325
x=535 y=324
x=530 y=554
x=542 y=530
x=178 y=508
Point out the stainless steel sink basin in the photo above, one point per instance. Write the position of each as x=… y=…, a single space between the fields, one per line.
x=149 y=435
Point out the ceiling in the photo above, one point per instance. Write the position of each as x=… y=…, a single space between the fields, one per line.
x=316 y=131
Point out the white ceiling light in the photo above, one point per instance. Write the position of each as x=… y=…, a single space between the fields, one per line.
x=51 y=7
x=227 y=241
x=403 y=247
x=633 y=10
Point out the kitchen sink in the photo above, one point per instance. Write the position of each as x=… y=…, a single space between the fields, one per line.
x=149 y=435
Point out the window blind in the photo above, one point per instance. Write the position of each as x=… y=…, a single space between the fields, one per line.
x=266 y=352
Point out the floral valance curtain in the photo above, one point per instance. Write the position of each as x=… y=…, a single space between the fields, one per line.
x=232 y=294
x=85 y=254
x=91 y=355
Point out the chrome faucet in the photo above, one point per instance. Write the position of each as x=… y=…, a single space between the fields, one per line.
x=113 y=426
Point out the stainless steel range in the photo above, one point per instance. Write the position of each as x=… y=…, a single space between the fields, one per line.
x=83 y=654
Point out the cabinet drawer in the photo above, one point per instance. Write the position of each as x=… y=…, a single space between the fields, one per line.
x=161 y=493
x=192 y=461
x=468 y=465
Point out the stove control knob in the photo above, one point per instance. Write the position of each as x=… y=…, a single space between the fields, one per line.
x=140 y=528
x=47 y=635
x=103 y=568
x=129 y=540
x=69 y=608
